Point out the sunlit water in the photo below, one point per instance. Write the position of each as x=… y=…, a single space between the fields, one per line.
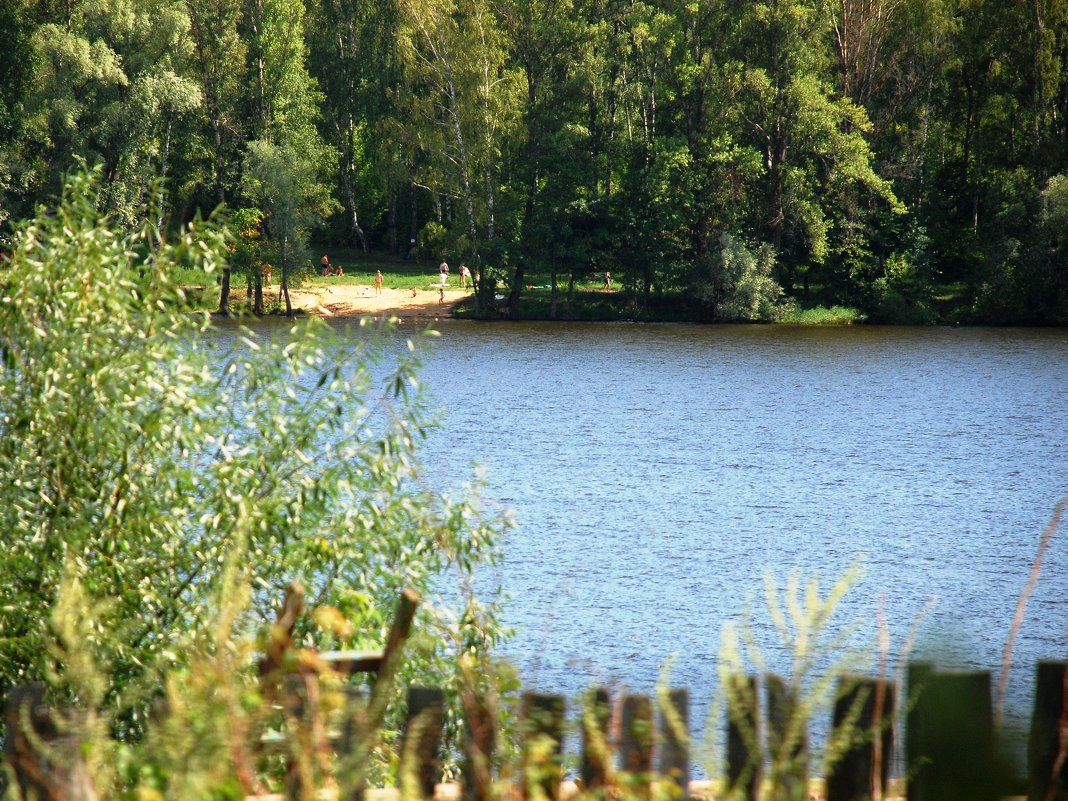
x=657 y=472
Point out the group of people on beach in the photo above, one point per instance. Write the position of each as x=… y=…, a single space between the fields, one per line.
x=443 y=272
x=331 y=269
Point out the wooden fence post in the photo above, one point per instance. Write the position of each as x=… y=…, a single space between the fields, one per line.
x=951 y=747
x=596 y=753
x=674 y=763
x=636 y=744
x=863 y=770
x=918 y=674
x=480 y=745
x=543 y=733
x=420 y=764
x=787 y=738
x=1047 y=747
x=743 y=736
x=44 y=749
x=353 y=747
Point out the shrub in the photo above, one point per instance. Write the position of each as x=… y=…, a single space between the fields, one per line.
x=138 y=462
x=734 y=284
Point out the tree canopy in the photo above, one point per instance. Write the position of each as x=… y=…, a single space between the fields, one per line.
x=897 y=156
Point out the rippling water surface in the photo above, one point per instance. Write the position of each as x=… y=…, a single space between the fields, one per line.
x=658 y=470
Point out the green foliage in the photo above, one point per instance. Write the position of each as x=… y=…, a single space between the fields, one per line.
x=821 y=315
x=734 y=284
x=578 y=136
x=1055 y=211
x=822 y=650
x=139 y=464
x=903 y=292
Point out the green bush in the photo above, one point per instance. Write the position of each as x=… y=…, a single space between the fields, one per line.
x=823 y=315
x=138 y=463
x=734 y=284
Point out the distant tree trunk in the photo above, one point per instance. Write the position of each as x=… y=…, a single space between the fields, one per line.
x=413 y=218
x=224 y=292
x=526 y=243
x=220 y=197
x=391 y=227
x=257 y=297
x=553 y=295
x=285 y=278
x=356 y=233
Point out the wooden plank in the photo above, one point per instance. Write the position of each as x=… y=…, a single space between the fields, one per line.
x=400 y=630
x=952 y=752
x=1047 y=748
x=480 y=745
x=743 y=737
x=420 y=758
x=636 y=745
x=543 y=735
x=353 y=661
x=674 y=762
x=353 y=747
x=44 y=751
x=867 y=706
x=787 y=738
x=596 y=754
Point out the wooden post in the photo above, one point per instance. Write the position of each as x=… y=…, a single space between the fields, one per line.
x=862 y=772
x=596 y=753
x=916 y=730
x=952 y=754
x=420 y=764
x=480 y=745
x=636 y=745
x=787 y=739
x=354 y=747
x=1047 y=748
x=543 y=733
x=674 y=763
x=44 y=749
x=299 y=760
x=743 y=737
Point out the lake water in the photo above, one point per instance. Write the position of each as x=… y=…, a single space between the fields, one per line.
x=657 y=472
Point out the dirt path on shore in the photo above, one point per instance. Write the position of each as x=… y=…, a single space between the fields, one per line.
x=357 y=300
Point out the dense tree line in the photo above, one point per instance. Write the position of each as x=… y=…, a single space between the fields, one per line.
x=905 y=157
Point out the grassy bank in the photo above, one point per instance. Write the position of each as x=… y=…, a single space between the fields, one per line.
x=587 y=301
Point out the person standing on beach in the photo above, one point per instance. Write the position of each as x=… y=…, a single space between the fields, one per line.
x=378 y=282
x=444 y=270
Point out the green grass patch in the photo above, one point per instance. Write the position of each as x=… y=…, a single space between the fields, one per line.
x=824 y=315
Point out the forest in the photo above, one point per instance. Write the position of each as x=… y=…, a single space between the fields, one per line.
x=904 y=158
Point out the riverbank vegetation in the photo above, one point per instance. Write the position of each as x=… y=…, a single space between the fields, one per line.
x=155 y=492
x=904 y=158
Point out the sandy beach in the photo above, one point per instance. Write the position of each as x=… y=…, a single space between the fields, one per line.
x=359 y=300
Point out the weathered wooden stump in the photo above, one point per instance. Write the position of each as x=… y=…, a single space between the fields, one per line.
x=674 y=762
x=864 y=769
x=596 y=754
x=743 y=736
x=1047 y=748
x=951 y=746
x=420 y=763
x=787 y=740
x=543 y=734
x=43 y=748
x=636 y=744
